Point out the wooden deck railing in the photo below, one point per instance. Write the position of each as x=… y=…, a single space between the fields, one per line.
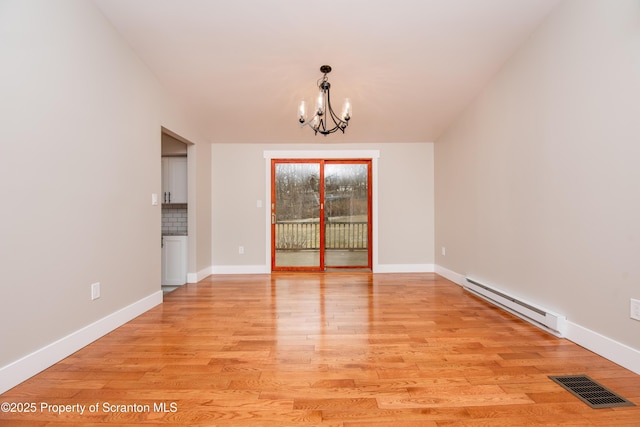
x=293 y=235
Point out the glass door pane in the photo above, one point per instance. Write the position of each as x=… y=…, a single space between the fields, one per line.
x=347 y=214
x=296 y=219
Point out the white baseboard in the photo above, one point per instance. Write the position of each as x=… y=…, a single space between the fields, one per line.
x=16 y=372
x=615 y=351
x=240 y=269
x=456 y=278
x=265 y=269
x=403 y=268
x=196 y=277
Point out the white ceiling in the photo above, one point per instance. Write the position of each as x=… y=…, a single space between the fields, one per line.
x=240 y=67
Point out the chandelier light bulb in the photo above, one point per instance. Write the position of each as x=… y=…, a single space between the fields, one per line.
x=320 y=103
x=302 y=112
x=346 y=110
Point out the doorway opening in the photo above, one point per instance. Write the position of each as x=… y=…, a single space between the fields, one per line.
x=175 y=203
x=321 y=214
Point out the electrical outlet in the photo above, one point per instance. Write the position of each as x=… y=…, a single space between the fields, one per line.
x=95 y=290
x=444 y=251
x=635 y=309
x=241 y=250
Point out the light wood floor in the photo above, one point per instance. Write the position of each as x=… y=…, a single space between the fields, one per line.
x=342 y=349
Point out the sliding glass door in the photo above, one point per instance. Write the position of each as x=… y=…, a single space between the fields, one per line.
x=321 y=214
x=296 y=215
x=346 y=214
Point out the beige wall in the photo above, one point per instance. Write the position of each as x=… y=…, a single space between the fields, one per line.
x=79 y=160
x=200 y=217
x=405 y=201
x=537 y=185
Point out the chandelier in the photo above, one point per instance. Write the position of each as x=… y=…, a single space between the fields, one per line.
x=325 y=120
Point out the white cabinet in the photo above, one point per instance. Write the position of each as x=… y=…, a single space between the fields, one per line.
x=174 y=260
x=174 y=180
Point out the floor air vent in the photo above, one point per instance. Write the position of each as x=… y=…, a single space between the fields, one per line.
x=590 y=392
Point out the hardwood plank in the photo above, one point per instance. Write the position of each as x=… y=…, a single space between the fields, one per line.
x=313 y=349
x=392 y=424
x=336 y=403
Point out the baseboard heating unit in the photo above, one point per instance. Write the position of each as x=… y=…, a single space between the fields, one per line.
x=538 y=316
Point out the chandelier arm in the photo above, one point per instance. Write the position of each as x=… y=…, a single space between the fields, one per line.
x=310 y=124
x=337 y=121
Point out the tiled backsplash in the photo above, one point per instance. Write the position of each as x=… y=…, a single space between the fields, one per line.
x=174 y=219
